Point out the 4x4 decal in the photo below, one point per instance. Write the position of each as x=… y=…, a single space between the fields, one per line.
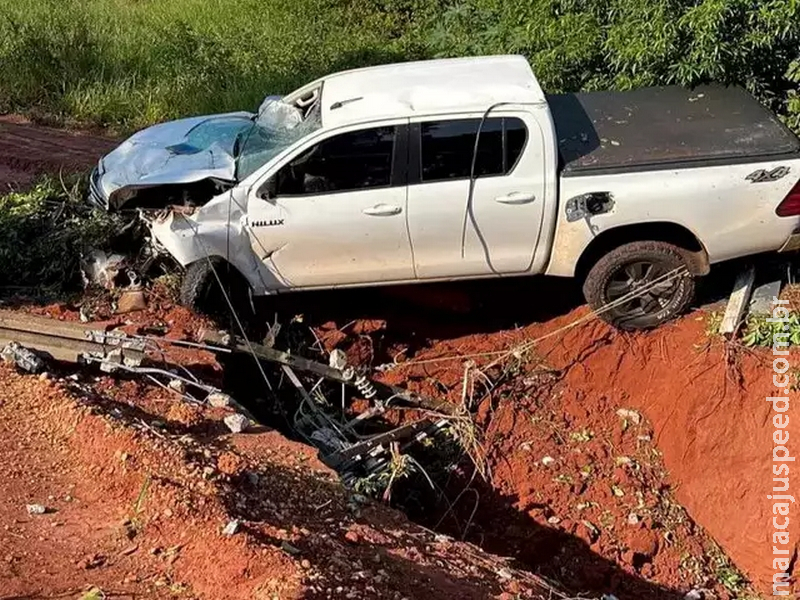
x=763 y=176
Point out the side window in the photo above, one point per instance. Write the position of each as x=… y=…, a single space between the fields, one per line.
x=447 y=147
x=351 y=161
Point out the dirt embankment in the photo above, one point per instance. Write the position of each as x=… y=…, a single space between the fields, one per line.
x=605 y=482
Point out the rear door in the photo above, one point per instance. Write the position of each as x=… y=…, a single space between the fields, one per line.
x=334 y=213
x=494 y=232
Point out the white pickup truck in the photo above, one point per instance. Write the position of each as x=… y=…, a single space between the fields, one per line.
x=464 y=168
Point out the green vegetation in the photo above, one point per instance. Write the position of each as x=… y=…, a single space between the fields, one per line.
x=44 y=233
x=128 y=63
x=760 y=331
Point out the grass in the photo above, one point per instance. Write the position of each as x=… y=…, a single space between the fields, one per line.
x=129 y=63
x=125 y=64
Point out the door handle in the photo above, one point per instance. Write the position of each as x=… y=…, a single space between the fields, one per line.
x=383 y=210
x=516 y=198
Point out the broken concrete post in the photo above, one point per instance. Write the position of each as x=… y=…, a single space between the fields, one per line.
x=337 y=359
x=23 y=358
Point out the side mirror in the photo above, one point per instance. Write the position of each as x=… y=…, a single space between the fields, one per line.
x=269 y=190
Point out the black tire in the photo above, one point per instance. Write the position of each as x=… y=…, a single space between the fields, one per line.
x=201 y=291
x=632 y=266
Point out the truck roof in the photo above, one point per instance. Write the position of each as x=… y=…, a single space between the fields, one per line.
x=427 y=87
x=665 y=127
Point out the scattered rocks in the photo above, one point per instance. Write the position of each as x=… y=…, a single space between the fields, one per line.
x=231 y=528
x=352 y=537
x=219 y=400
x=36 y=509
x=644 y=542
x=630 y=415
x=237 y=423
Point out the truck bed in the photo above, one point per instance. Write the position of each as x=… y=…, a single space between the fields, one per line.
x=666 y=127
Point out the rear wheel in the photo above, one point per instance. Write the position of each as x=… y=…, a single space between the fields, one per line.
x=640 y=285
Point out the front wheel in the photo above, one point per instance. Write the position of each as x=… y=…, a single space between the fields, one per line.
x=640 y=285
x=214 y=288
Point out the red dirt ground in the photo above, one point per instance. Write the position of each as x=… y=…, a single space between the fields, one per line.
x=710 y=422
x=28 y=151
x=136 y=504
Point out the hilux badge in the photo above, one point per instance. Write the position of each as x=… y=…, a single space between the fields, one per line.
x=270 y=223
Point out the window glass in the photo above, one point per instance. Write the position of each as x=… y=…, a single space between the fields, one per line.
x=447 y=147
x=350 y=161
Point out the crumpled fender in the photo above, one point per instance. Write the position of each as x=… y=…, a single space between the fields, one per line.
x=216 y=229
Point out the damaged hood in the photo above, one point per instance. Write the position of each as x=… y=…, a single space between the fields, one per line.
x=213 y=151
x=183 y=151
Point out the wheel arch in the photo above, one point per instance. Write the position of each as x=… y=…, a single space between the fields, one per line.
x=657 y=231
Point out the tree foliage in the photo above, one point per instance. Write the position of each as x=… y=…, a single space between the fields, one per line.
x=133 y=62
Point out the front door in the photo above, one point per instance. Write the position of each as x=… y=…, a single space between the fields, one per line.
x=334 y=213
x=495 y=231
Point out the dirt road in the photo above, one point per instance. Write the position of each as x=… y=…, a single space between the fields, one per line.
x=28 y=151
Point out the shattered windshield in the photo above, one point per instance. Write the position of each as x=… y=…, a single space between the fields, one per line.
x=277 y=126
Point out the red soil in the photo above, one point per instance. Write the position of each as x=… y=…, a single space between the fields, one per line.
x=138 y=492
x=707 y=416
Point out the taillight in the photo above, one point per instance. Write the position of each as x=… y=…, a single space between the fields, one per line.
x=790 y=207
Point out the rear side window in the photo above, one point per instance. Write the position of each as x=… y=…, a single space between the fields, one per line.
x=355 y=160
x=447 y=147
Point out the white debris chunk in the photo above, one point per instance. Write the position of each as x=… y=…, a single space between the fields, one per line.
x=548 y=460
x=219 y=400
x=631 y=415
x=237 y=423
x=102 y=269
x=36 y=509
x=23 y=358
x=337 y=359
x=177 y=385
x=231 y=528
x=505 y=574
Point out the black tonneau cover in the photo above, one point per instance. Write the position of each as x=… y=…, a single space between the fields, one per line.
x=666 y=127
